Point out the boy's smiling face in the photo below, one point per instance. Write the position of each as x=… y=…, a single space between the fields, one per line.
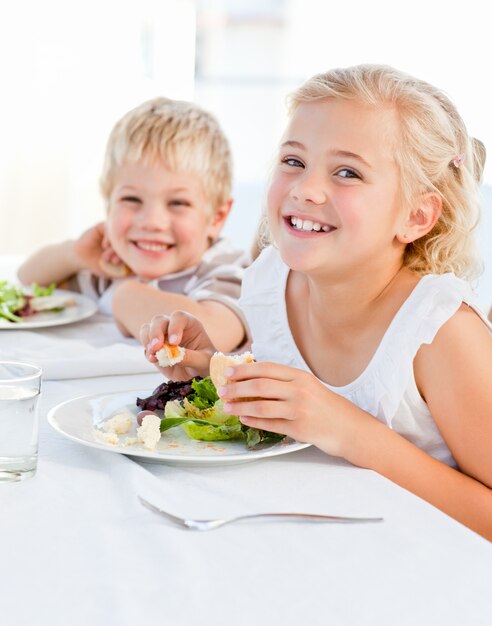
x=159 y=221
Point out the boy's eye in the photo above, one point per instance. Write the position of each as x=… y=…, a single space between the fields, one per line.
x=292 y=161
x=131 y=199
x=347 y=173
x=179 y=204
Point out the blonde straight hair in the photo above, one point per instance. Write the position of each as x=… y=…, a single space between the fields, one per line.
x=177 y=133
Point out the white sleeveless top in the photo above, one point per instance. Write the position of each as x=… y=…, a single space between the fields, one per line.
x=386 y=388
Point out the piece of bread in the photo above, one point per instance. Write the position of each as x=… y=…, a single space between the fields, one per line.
x=114 y=271
x=169 y=355
x=220 y=362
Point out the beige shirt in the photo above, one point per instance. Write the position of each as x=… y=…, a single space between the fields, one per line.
x=217 y=277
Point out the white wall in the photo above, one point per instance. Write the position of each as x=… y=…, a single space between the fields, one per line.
x=69 y=70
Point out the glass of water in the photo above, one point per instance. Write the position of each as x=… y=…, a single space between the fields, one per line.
x=20 y=386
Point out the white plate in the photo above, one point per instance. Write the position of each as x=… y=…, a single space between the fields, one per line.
x=77 y=418
x=84 y=307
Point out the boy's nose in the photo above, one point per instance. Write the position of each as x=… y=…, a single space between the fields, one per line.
x=153 y=216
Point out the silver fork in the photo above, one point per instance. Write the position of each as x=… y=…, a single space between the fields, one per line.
x=210 y=524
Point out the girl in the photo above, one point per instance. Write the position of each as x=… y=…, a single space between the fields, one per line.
x=366 y=339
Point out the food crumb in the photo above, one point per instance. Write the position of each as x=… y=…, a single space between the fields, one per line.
x=111 y=438
x=118 y=424
x=130 y=441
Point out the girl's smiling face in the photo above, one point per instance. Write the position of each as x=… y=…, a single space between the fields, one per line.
x=159 y=221
x=333 y=203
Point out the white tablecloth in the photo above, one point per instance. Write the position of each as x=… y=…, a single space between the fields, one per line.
x=77 y=548
x=86 y=349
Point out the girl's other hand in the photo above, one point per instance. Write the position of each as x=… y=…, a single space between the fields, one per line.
x=179 y=329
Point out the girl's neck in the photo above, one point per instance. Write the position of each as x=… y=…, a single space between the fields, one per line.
x=353 y=297
x=338 y=326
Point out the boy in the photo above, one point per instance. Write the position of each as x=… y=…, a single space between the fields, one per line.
x=166 y=182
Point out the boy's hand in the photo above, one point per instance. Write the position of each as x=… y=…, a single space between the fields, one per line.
x=92 y=247
x=179 y=329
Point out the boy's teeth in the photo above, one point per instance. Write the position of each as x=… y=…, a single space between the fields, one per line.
x=308 y=225
x=153 y=247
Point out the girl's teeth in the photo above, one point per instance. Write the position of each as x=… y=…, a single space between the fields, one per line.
x=308 y=225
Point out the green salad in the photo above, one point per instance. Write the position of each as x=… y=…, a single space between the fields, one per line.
x=201 y=415
x=16 y=303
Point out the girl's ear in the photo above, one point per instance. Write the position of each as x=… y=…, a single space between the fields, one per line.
x=422 y=218
x=218 y=219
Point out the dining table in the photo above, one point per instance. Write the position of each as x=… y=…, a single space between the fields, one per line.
x=77 y=547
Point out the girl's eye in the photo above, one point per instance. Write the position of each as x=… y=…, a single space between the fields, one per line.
x=293 y=162
x=347 y=173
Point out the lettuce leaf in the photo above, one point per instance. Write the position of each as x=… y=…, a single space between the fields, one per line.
x=212 y=423
x=211 y=432
x=12 y=299
x=39 y=291
x=205 y=395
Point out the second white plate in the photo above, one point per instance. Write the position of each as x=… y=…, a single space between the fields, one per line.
x=82 y=309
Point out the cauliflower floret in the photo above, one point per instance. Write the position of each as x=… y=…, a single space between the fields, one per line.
x=149 y=432
x=118 y=424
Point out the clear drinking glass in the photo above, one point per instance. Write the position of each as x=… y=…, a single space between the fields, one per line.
x=20 y=386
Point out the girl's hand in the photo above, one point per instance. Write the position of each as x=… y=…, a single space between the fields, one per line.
x=179 y=329
x=292 y=402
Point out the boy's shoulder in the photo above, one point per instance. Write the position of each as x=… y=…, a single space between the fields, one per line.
x=222 y=266
x=223 y=253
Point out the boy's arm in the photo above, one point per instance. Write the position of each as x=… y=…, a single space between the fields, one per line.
x=51 y=264
x=134 y=304
x=60 y=261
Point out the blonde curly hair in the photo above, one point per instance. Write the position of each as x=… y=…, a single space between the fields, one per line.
x=180 y=134
x=433 y=153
